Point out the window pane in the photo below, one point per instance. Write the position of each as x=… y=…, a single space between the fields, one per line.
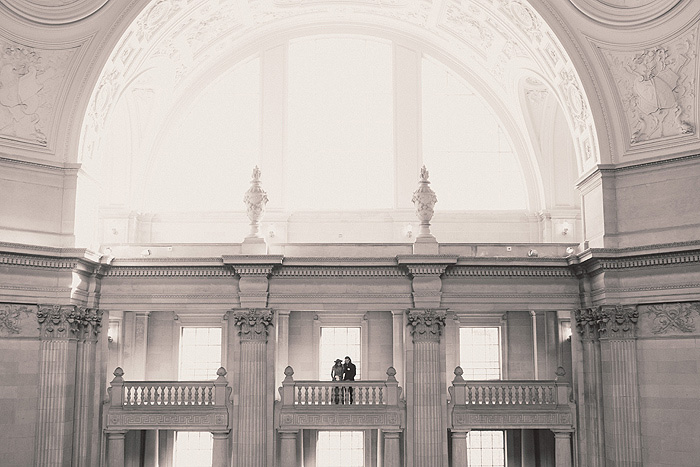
x=337 y=342
x=200 y=353
x=480 y=353
x=486 y=449
x=193 y=449
x=340 y=138
x=470 y=158
x=340 y=449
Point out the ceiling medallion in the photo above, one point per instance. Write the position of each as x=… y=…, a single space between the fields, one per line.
x=625 y=12
x=54 y=11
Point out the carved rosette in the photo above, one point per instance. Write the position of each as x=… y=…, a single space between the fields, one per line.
x=426 y=325
x=586 y=323
x=253 y=323
x=424 y=199
x=68 y=322
x=616 y=322
x=255 y=200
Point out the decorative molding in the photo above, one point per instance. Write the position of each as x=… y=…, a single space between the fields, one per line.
x=30 y=82
x=616 y=321
x=464 y=419
x=623 y=13
x=174 y=271
x=338 y=271
x=199 y=421
x=54 y=11
x=37 y=261
x=657 y=88
x=253 y=269
x=669 y=318
x=338 y=418
x=253 y=323
x=12 y=316
x=506 y=271
x=427 y=324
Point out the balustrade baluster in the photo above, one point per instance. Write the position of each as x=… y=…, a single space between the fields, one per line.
x=381 y=396
x=374 y=395
x=306 y=395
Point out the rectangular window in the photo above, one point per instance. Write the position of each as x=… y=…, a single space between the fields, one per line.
x=338 y=342
x=193 y=449
x=200 y=353
x=480 y=352
x=340 y=449
x=486 y=449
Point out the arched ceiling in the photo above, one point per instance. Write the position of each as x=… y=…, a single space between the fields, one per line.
x=495 y=43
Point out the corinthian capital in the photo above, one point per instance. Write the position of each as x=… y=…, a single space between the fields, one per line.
x=586 y=323
x=68 y=322
x=253 y=323
x=616 y=321
x=426 y=325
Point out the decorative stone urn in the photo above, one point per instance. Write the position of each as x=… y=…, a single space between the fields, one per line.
x=424 y=200
x=255 y=200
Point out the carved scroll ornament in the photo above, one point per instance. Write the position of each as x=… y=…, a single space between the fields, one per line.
x=670 y=317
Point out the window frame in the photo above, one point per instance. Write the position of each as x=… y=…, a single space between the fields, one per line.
x=345 y=320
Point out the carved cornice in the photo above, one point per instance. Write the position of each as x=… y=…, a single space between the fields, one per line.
x=253 y=270
x=174 y=271
x=599 y=259
x=509 y=271
x=338 y=271
x=427 y=324
x=253 y=323
x=616 y=321
x=45 y=262
x=68 y=322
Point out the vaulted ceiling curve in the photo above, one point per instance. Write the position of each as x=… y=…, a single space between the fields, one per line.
x=493 y=39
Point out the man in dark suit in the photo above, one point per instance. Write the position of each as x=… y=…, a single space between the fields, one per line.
x=349 y=372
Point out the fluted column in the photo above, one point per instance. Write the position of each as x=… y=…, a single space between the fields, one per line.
x=592 y=439
x=86 y=418
x=288 y=448
x=460 y=455
x=252 y=417
x=618 y=347
x=392 y=449
x=426 y=327
x=59 y=326
x=562 y=449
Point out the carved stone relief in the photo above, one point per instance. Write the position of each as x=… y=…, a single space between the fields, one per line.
x=669 y=318
x=625 y=12
x=30 y=81
x=54 y=11
x=14 y=319
x=657 y=88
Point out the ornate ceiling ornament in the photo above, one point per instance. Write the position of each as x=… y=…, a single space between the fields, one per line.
x=625 y=12
x=657 y=88
x=54 y=11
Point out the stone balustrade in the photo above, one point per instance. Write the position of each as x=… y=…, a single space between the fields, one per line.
x=512 y=393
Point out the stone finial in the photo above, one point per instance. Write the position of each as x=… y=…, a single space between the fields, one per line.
x=560 y=373
x=426 y=325
x=221 y=372
x=458 y=374
x=118 y=373
x=253 y=323
x=391 y=374
x=255 y=200
x=424 y=200
x=288 y=373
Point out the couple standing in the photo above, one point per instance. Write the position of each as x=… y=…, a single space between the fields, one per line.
x=343 y=371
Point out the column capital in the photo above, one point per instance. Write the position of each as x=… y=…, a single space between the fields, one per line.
x=617 y=321
x=253 y=323
x=68 y=322
x=426 y=324
x=586 y=323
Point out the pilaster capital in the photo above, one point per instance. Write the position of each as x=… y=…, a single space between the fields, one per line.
x=426 y=324
x=68 y=322
x=253 y=323
x=586 y=323
x=617 y=321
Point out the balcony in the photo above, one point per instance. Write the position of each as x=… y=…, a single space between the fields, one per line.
x=168 y=405
x=512 y=404
x=340 y=404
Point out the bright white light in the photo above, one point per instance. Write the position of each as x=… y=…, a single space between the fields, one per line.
x=340 y=449
x=486 y=449
x=480 y=352
x=200 y=353
x=337 y=342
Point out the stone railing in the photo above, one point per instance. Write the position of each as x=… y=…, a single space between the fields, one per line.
x=202 y=405
x=510 y=404
x=359 y=404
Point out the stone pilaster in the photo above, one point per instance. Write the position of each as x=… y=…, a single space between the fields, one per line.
x=618 y=347
x=58 y=327
x=288 y=448
x=86 y=413
x=460 y=455
x=562 y=449
x=251 y=434
x=591 y=437
x=428 y=429
x=392 y=449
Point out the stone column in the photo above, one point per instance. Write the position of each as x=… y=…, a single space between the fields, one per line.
x=252 y=416
x=398 y=327
x=428 y=430
x=591 y=439
x=115 y=448
x=58 y=327
x=460 y=455
x=562 y=449
x=86 y=415
x=618 y=348
x=220 y=451
x=282 y=345
x=392 y=449
x=288 y=448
